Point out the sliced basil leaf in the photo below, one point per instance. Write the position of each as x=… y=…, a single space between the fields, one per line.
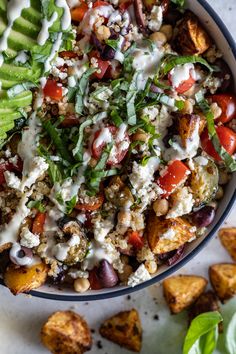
x=204 y=106
x=36 y=204
x=200 y=326
x=54 y=170
x=70 y=204
x=230 y=337
x=130 y=100
x=15 y=90
x=81 y=89
x=117 y=120
x=113 y=43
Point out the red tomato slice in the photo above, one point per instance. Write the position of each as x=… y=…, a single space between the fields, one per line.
x=175 y=174
x=100 y=3
x=52 y=90
x=91 y=207
x=120 y=147
x=135 y=240
x=102 y=64
x=95 y=282
x=184 y=85
x=38 y=223
x=227 y=139
x=227 y=103
x=8 y=166
x=77 y=14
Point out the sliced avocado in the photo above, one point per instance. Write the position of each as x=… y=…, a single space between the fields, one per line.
x=22 y=100
x=19 y=73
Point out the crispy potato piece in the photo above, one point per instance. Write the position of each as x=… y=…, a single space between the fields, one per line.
x=206 y=302
x=223 y=280
x=65 y=332
x=181 y=291
x=23 y=279
x=187 y=125
x=227 y=237
x=158 y=229
x=124 y=329
x=6 y=246
x=191 y=37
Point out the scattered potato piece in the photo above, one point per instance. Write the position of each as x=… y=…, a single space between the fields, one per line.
x=166 y=235
x=191 y=37
x=181 y=291
x=65 y=332
x=23 y=279
x=206 y=302
x=228 y=239
x=223 y=280
x=124 y=329
x=187 y=125
x=6 y=246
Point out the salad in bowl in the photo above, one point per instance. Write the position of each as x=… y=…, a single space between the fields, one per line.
x=117 y=133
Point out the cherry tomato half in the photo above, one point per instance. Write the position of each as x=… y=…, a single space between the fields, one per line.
x=227 y=103
x=227 y=139
x=100 y=3
x=184 y=85
x=135 y=240
x=102 y=64
x=120 y=147
x=52 y=90
x=175 y=173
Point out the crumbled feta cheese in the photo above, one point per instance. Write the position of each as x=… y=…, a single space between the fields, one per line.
x=182 y=204
x=156 y=17
x=102 y=228
x=139 y=276
x=28 y=239
x=99 y=251
x=7 y=153
x=37 y=167
x=168 y=235
x=14 y=160
x=12 y=180
x=98 y=100
x=75 y=273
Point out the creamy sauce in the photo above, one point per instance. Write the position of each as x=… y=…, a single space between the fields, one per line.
x=91 y=17
x=14 y=9
x=11 y=230
x=46 y=24
x=55 y=49
x=180 y=73
x=95 y=255
x=22 y=57
x=14 y=253
x=104 y=137
x=66 y=18
x=1 y=60
x=121 y=132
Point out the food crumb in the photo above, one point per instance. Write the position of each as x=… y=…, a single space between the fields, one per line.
x=99 y=344
x=156 y=317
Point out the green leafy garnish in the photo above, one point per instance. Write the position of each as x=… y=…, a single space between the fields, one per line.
x=70 y=204
x=179 y=3
x=230 y=337
x=130 y=100
x=54 y=170
x=204 y=106
x=202 y=334
x=113 y=43
x=36 y=204
x=81 y=89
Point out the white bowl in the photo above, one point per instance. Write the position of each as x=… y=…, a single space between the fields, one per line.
x=226 y=44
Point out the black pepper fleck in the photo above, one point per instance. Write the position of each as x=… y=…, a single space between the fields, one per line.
x=128 y=297
x=156 y=317
x=99 y=344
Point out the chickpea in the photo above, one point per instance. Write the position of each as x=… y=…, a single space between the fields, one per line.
x=151 y=266
x=102 y=33
x=219 y=193
x=160 y=207
x=81 y=285
x=223 y=177
x=127 y=271
x=188 y=107
x=140 y=136
x=158 y=38
x=167 y=30
x=92 y=162
x=216 y=110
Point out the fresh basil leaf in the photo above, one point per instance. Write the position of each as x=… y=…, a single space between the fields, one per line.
x=230 y=337
x=36 y=204
x=59 y=198
x=145 y=160
x=200 y=326
x=179 y=3
x=204 y=106
x=208 y=342
x=130 y=100
x=71 y=204
x=57 y=140
x=117 y=120
x=15 y=90
x=179 y=104
x=81 y=89
x=54 y=170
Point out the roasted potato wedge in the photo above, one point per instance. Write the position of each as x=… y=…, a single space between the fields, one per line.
x=181 y=291
x=165 y=235
x=65 y=332
x=204 y=180
x=187 y=125
x=207 y=301
x=23 y=279
x=191 y=37
x=223 y=280
x=124 y=329
x=228 y=239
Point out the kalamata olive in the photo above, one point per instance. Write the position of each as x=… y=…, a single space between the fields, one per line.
x=172 y=16
x=138 y=10
x=108 y=53
x=4 y=261
x=107 y=274
x=20 y=255
x=97 y=44
x=172 y=257
x=204 y=216
x=224 y=74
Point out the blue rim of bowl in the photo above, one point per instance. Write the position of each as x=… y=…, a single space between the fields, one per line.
x=193 y=253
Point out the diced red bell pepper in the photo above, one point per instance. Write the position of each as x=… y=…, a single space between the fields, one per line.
x=53 y=90
x=38 y=223
x=77 y=14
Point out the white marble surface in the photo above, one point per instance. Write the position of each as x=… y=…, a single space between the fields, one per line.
x=21 y=317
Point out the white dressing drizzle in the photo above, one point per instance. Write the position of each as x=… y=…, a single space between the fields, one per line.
x=66 y=18
x=14 y=9
x=55 y=49
x=103 y=138
x=181 y=73
x=1 y=60
x=46 y=24
x=14 y=253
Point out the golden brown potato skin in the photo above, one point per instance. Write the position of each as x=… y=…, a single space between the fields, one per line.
x=223 y=280
x=228 y=239
x=124 y=329
x=187 y=125
x=6 y=246
x=157 y=226
x=23 y=279
x=191 y=37
x=65 y=332
x=206 y=302
x=181 y=291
